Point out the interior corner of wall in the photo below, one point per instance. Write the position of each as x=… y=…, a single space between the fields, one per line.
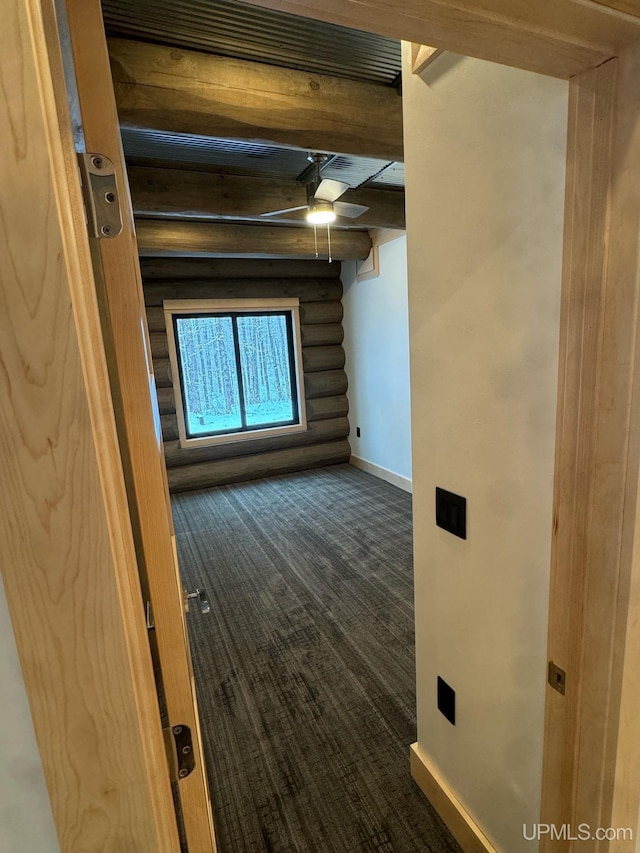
x=370 y=267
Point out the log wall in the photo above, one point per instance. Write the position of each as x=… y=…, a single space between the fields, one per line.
x=318 y=285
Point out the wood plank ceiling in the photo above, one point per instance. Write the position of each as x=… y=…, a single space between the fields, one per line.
x=220 y=103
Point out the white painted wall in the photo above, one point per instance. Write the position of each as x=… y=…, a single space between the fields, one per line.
x=485 y=160
x=376 y=344
x=26 y=822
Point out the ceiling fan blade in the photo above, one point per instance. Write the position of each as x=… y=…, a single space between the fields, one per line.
x=351 y=211
x=286 y=210
x=330 y=190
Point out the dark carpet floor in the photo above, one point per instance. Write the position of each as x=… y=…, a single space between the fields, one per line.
x=305 y=665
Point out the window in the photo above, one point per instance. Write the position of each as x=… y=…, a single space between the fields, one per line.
x=236 y=368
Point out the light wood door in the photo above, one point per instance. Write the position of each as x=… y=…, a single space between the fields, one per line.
x=67 y=557
x=118 y=278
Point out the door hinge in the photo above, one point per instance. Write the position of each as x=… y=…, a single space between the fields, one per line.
x=179 y=747
x=557 y=678
x=100 y=193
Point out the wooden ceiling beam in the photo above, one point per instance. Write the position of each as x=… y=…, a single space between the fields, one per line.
x=184 y=194
x=184 y=91
x=560 y=38
x=171 y=239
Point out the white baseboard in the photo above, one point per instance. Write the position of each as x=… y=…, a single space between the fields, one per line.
x=458 y=820
x=383 y=473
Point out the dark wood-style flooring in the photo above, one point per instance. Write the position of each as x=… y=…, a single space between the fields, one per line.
x=305 y=665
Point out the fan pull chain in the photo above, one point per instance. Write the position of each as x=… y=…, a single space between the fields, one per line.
x=329 y=240
x=315 y=237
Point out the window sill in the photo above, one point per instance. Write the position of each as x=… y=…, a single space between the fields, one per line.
x=268 y=432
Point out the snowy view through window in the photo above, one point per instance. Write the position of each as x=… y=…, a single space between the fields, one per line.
x=236 y=372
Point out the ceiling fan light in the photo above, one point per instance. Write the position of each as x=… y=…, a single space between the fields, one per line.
x=321 y=213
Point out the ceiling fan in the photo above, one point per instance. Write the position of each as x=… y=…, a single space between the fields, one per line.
x=322 y=204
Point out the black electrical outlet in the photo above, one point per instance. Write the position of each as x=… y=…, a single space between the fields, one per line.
x=447 y=701
x=358 y=432
x=451 y=513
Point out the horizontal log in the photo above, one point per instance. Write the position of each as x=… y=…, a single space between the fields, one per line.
x=155 y=320
x=159 y=269
x=162 y=373
x=171 y=238
x=322 y=408
x=184 y=91
x=207 y=474
x=327 y=407
x=323 y=314
x=328 y=383
x=159 y=346
x=320 y=312
x=321 y=334
x=322 y=358
x=182 y=193
x=166 y=400
x=169 y=424
x=304 y=289
x=317 y=432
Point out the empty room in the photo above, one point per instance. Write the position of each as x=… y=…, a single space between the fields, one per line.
x=277 y=299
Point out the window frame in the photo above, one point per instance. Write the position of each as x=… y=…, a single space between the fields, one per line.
x=194 y=307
